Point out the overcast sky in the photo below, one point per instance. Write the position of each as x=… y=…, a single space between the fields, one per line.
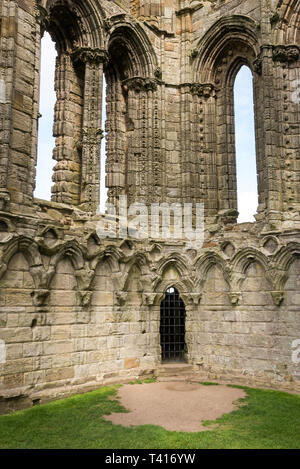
x=244 y=126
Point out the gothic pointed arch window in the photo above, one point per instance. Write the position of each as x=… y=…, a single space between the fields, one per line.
x=229 y=45
x=237 y=143
x=131 y=85
x=46 y=141
x=245 y=147
x=76 y=29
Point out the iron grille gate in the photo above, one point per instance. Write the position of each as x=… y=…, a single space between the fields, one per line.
x=172 y=327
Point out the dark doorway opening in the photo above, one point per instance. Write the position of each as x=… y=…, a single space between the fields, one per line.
x=172 y=327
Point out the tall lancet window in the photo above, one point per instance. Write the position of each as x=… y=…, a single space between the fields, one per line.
x=246 y=169
x=46 y=141
x=103 y=188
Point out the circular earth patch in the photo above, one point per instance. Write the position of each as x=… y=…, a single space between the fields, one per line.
x=177 y=406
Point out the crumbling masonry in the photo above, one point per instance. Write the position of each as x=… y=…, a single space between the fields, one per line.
x=77 y=311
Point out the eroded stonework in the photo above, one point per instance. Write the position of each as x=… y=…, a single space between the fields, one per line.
x=76 y=310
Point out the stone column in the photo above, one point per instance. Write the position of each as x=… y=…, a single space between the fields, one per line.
x=116 y=140
x=268 y=128
x=9 y=15
x=63 y=129
x=91 y=127
x=204 y=148
x=142 y=145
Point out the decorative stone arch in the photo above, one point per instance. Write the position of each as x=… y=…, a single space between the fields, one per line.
x=86 y=17
x=131 y=88
x=287 y=23
x=229 y=44
x=283 y=261
x=32 y=255
x=183 y=287
x=185 y=282
x=240 y=263
x=228 y=29
x=71 y=251
x=68 y=276
x=179 y=261
x=109 y=257
x=139 y=260
x=206 y=261
x=112 y=256
x=287 y=262
x=133 y=277
x=134 y=41
x=108 y=263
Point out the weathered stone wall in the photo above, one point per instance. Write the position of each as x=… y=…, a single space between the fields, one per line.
x=77 y=311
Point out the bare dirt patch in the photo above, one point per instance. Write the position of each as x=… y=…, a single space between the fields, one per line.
x=176 y=406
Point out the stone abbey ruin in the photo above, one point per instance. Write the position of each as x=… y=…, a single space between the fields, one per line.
x=78 y=310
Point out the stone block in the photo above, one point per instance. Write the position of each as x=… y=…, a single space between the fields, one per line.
x=57 y=347
x=59 y=374
x=131 y=363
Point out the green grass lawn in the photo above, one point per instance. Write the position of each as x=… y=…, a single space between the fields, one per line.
x=265 y=419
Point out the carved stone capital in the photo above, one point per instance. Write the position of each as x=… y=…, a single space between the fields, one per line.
x=205 y=90
x=286 y=54
x=85 y=297
x=234 y=297
x=257 y=64
x=84 y=277
x=4 y=199
x=89 y=55
x=194 y=298
x=42 y=17
x=92 y=135
x=278 y=297
x=158 y=73
x=139 y=84
x=40 y=297
x=149 y=298
x=121 y=297
x=193 y=53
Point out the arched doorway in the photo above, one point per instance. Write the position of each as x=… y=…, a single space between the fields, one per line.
x=172 y=327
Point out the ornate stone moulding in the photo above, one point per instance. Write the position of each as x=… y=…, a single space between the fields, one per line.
x=278 y=297
x=85 y=297
x=121 y=297
x=149 y=298
x=89 y=55
x=139 y=84
x=91 y=135
x=205 y=90
x=257 y=64
x=286 y=54
x=40 y=297
x=234 y=297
